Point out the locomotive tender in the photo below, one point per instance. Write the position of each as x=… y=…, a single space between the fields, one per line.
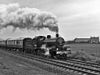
x=39 y=45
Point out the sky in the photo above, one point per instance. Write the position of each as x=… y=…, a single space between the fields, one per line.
x=76 y=18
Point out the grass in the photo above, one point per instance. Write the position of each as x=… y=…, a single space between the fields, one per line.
x=88 y=52
x=92 y=49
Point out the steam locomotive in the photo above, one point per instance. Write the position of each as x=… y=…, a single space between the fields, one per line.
x=39 y=45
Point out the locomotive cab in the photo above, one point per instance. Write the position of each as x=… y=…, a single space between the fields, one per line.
x=27 y=45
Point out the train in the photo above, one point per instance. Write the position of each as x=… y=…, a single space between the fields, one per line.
x=39 y=45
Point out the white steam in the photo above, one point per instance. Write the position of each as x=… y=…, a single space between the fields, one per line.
x=30 y=18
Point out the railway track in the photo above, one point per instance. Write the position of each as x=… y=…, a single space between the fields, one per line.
x=69 y=65
x=85 y=63
x=80 y=68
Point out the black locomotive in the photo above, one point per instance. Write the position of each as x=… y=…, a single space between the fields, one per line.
x=39 y=45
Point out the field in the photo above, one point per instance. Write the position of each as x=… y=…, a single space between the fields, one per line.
x=93 y=49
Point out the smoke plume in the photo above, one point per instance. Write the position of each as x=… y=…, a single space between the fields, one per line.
x=29 y=18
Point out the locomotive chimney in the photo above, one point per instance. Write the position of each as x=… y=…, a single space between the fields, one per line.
x=57 y=35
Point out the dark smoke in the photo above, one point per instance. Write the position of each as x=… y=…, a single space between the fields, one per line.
x=30 y=18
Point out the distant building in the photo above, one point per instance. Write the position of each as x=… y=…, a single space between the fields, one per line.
x=87 y=40
x=94 y=40
x=81 y=40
